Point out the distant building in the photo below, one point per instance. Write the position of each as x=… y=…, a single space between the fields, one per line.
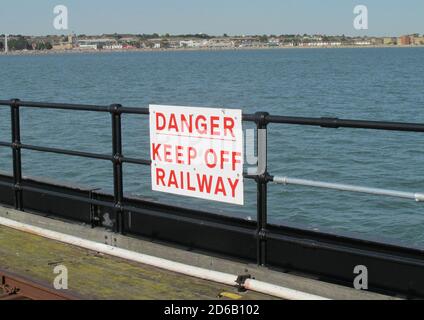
x=377 y=41
x=404 y=41
x=62 y=46
x=362 y=43
x=96 y=44
x=418 y=41
x=65 y=45
x=320 y=44
x=86 y=46
x=113 y=47
x=129 y=40
x=243 y=42
x=220 y=43
x=273 y=42
x=190 y=44
x=388 y=41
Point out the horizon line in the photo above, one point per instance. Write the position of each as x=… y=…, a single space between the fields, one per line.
x=207 y=34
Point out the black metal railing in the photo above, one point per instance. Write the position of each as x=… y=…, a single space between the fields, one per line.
x=117 y=158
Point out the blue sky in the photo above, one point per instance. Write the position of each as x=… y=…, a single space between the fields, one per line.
x=386 y=17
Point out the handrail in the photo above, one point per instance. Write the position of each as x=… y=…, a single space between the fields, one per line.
x=419 y=197
x=262 y=177
x=324 y=122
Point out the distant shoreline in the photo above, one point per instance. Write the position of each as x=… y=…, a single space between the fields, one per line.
x=76 y=51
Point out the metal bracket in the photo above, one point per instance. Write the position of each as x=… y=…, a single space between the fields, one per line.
x=241 y=279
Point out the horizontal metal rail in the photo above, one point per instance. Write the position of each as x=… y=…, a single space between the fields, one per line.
x=6 y=184
x=67 y=152
x=61 y=106
x=74 y=107
x=78 y=153
x=419 y=197
x=266 y=119
x=340 y=123
x=142 y=162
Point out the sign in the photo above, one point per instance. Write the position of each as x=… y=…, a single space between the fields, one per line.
x=197 y=152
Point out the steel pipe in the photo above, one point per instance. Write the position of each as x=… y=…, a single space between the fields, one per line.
x=67 y=152
x=347 y=123
x=351 y=188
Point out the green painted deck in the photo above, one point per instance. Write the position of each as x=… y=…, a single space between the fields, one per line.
x=96 y=276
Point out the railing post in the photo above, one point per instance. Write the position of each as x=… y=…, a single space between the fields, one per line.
x=16 y=150
x=262 y=180
x=118 y=186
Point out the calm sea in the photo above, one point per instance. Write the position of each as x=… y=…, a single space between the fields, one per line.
x=372 y=84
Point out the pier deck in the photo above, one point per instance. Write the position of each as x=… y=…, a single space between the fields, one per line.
x=96 y=276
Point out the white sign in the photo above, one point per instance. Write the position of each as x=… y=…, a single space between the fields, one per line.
x=197 y=152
